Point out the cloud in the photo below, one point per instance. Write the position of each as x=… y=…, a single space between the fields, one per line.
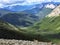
x=34 y=1
x=6 y=3
x=25 y=1
x=10 y=1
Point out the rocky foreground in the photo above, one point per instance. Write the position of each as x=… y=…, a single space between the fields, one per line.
x=23 y=42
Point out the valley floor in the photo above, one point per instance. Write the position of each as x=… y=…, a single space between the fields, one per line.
x=23 y=42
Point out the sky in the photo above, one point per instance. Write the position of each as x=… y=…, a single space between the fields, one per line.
x=6 y=3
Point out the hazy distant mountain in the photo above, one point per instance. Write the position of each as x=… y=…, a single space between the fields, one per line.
x=23 y=18
x=30 y=8
x=4 y=11
x=28 y=16
x=44 y=12
x=20 y=19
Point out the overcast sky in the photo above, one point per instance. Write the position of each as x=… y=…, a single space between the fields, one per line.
x=5 y=3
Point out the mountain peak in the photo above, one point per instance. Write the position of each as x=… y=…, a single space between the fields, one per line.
x=52 y=6
x=55 y=12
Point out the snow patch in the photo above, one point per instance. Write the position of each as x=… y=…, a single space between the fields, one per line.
x=52 y=6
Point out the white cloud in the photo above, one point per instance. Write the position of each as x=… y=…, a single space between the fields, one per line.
x=34 y=1
x=5 y=3
x=9 y=1
x=2 y=6
x=26 y=1
x=56 y=0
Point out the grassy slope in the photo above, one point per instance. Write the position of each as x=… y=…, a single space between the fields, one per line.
x=9 y=31
x=48 y=28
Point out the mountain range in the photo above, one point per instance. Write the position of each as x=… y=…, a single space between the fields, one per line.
x=29 y=15
x=42 y=26
x=30 y=8
x=19 y=19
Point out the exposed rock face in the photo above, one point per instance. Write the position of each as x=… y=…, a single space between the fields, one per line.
x=22 y=42
x=55 y=12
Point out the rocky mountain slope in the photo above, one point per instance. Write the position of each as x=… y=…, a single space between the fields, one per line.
x=23 y=42
x=55 y=12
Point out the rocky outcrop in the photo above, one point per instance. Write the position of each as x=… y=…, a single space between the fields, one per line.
x=22 y=42
x=55 y=12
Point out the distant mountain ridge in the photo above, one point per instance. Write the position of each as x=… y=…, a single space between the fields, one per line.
x=31 y=8
x=20 y=19
x=27 y=17
x=23 y=18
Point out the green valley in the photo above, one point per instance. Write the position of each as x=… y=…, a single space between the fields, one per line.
x=46 y=29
